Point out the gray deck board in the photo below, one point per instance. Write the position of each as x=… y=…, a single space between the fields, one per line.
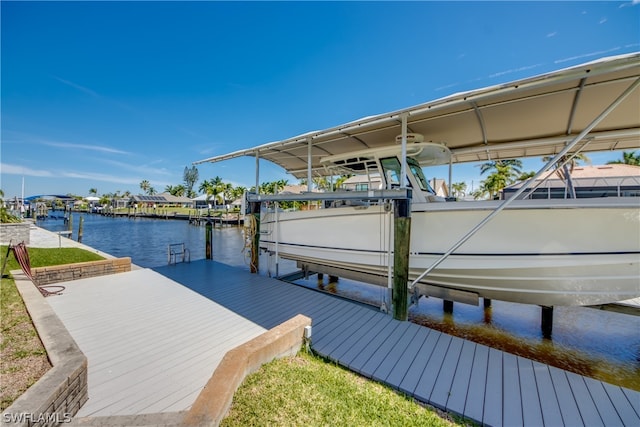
x=400 y=349
x=548 y=400
x=586 y=404
x=432 y=368
x=153 y=338
x=531 y=411
x=369 y=350
x=474 y=406
x=349 y=349
x=458 y=393
x=385 y=348
x=494 y=397
x=407 y=357
x=624 y=408
x=566 y=399
x=444 y=380
x=331 y=327
x=511 y=388
x=344 y=332
x=633 y=398
x=601 y=398
x=413 y=374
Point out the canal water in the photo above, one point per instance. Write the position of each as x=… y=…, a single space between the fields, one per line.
x=598 y=344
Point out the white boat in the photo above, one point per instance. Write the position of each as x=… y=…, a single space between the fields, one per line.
x=545 y=252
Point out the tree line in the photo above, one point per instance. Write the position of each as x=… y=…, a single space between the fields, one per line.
x=499 y=174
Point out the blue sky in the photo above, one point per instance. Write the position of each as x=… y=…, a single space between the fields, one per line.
x=107 y=94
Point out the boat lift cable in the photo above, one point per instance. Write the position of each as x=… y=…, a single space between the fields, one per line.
x=531 y=180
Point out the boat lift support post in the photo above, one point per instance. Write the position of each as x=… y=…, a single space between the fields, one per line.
x=547 y=312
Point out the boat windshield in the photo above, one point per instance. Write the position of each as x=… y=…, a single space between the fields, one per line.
x=391 y=168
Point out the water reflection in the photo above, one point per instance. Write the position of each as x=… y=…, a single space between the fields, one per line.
x=598 y=344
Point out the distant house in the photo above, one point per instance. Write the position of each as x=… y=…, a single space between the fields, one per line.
x=614 y=180
x=161 y=200
x=362 y=183
x=201 y=202
x=119 y=202
x=373 y=182
x=295 y=189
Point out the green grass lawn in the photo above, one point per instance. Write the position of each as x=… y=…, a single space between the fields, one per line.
x=305 y=390
x=23 y=359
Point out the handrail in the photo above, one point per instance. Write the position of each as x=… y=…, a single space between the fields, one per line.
x=395 y=194
x=176 y=249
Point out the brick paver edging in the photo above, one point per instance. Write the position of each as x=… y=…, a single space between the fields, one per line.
x=61 y=391
x=79 y=270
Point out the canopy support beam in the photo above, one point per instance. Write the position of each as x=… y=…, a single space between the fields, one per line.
x=403 y=166
x=309 y=176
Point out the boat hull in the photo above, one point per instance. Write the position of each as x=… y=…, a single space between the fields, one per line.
x=559 y=252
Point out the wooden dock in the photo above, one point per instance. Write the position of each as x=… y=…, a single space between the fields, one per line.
x=145 y=331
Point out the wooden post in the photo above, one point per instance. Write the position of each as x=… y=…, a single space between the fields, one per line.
x=80 y=229
x=208 y=233
x=254 y=210
x=547 y=321
x=402 y=240
x=447 y=306
x=70 y=224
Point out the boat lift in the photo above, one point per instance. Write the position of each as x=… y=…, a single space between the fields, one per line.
x=541 y=134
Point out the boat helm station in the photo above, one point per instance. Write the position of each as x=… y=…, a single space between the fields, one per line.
x=386 y=164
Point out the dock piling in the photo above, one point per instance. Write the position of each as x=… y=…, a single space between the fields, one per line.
x=208 y=232
x=547 y=321
x=402 y=239
x=254 y=212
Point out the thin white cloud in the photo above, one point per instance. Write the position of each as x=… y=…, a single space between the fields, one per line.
x=587 y=55
x=74 y=146
x=10 y=169
x=92 y=176
x=78 y=87
x=552 y=34
x=96 y=95
x=514 y=70
x=631 y=3
x=602 y=20
x=142 y=170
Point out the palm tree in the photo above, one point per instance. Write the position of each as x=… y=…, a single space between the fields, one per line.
x=628 y=158
x=211 y=189
x=237 y=192
x=505 y=172
x=144 y=185
x=510 y=167
x=564 y=168
x=175 y=190
x=93 y=191
x=459 y=189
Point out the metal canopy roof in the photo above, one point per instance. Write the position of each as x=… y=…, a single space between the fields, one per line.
x=536 y=116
